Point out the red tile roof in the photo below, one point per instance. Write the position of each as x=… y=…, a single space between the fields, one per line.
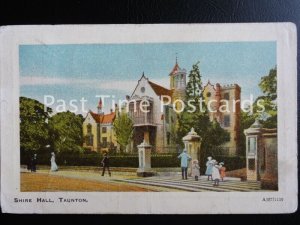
x=159 y=90
x=108 y=118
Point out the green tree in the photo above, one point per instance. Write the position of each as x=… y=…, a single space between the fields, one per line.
x=194 y=85
x=66 y=132
x=268 y=85
x=34 y=128
x=268 y=118
x=123 y=128
x=211 y=132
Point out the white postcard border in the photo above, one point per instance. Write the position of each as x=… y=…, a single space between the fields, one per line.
x=159 y=203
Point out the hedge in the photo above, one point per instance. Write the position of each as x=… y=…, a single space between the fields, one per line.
x=232 y=162
x=157 y=160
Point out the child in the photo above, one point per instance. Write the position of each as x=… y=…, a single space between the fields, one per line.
x=209 y=166
x=222 y=170
x=215 y=173
x=195 y=169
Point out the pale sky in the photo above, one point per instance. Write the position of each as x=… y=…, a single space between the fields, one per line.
x=74 y=71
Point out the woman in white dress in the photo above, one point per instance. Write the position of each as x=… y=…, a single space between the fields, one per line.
x=216 y=173
x=54 y=167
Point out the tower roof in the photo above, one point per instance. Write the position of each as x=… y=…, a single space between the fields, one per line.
x=100 y=104
x=175 y=69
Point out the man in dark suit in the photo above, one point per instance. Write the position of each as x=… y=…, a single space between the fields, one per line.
x=105 y=164
x=33 y=163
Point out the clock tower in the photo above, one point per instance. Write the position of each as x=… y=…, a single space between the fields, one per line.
x=178 y=82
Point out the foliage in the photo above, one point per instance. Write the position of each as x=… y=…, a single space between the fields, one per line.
x=34 y=129
x=194 y=85
x=268 y=85
x=132 y=161
x=232 y=162
x=268 y=118
x=211 y=132
x=94 y=159
x=123 y=128
x=66 y=132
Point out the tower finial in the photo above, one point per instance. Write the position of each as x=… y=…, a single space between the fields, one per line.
x=176 y=58
x=99 y=107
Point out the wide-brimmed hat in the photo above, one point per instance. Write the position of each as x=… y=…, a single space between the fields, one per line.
x=214 y=161
x=221 y=163
x=195 y=161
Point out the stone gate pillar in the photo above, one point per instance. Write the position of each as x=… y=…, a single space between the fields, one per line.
x=144 y=153
x=253 y=142
x=192 y=143
x=261 y=155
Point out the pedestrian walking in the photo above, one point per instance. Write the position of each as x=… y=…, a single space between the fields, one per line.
x=54 y=166
x=105 y=164
x=33 y=163
x=184 y=163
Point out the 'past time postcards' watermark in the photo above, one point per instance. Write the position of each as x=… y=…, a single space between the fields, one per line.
x=143 y=123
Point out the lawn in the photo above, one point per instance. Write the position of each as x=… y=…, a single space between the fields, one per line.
x=37 y=182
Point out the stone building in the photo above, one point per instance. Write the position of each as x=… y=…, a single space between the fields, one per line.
x=157 y=122
x=160 y=124
x=229 y=119
x=98 y=130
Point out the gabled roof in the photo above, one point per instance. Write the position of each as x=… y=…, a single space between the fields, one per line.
x=159 y=90
x=209 y=84
x=107 y=118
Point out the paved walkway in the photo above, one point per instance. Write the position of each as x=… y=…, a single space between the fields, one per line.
x=228 y=185
x=161 y=183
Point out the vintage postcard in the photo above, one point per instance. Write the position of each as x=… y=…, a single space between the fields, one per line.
x=149 y=119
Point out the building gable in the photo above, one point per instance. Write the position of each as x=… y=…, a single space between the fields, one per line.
x=143 y=88
x=149 y=89
x=89 y=119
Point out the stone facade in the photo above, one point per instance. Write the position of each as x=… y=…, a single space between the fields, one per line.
x=159 y=123
x=98 y=131
x=229 y=120
x=261 y=156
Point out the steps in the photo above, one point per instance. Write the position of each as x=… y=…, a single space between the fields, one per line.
x=197 y=186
